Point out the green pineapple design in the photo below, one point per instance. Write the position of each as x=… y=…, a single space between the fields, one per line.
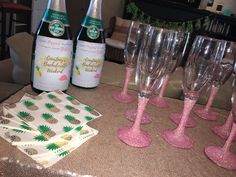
x=54 y=98
x=31 y=151
x=9 y=116
x=47 y=131
x=72 y=100
x=49 y=118
x=52 y=107
x=72 y=119
x=91 y=110
x=25 y=126
x=30 y=105
x=78 y=129
x=67 y=128
x=88 y=118
x=40 y=138
x=56 y=145
x=72 y=109
x=18 y=131
x=64 y=153
x=25 y=116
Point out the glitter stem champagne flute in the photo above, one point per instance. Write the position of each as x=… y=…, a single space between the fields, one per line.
x=204 y=55
x=151 y=66
x=181 y=40
x=130 y=57
x=222 y=73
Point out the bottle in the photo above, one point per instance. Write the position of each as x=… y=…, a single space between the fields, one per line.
x=52 y=50
x=90 y=48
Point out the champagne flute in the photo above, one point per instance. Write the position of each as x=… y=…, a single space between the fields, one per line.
x=222 y=73
x=223 y=131
x=175 y=41
x=151 y=66
x=222 y=156
x=176 y=54
x=204 y=55
x=130 y=58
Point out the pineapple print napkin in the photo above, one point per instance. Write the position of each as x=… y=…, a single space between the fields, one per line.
x=47 y=127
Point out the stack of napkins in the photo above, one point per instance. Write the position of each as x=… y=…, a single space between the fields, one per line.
x=47 y=127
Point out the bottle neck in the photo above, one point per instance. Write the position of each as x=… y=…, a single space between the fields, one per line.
x=95 y=9
x=57 y=5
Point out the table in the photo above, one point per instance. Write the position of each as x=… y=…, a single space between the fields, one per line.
x=6 y=89
x=105 y=155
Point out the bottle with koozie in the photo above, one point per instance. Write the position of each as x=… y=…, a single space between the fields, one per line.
x=52 y=49
x=90 y=48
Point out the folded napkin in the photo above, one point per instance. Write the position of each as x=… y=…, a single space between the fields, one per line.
x=47 y=127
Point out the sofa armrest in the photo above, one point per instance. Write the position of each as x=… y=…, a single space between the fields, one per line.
x=6 y=67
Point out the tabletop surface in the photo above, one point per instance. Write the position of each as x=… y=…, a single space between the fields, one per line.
x=105 y=155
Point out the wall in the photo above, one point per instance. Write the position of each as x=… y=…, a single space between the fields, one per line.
x=112 y=8
x=226 y=3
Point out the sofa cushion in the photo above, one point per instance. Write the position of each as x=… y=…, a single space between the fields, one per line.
x=120 y=29
x=20 y=46
x=115 y=43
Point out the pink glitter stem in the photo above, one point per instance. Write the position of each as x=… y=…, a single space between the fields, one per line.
x=163 y=87
x=212 y=96
x=129 y=73
x=230 y=138
x=188 y=105
x=228 y=124
x=142 y=102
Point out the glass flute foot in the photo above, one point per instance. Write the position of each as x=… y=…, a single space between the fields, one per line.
x=222 y=158
x=134 y=138
x=222 y=132
x=159 y=102
x=181 y=141
x=176 y=117
x=123 y=98
x=131 y=116
x=204 y=114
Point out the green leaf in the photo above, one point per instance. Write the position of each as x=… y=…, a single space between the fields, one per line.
x=69 y=98
x=23 y=114
x=49 y=105
x=18 y=131
x=46 y=116
x=51 y=96
x=28 y=103
x=88 y=118
x=78 y=128
x=67 y=128
x=44 y=128
x=52 y=146
x=69 y=117
x=63 y=154
x=40 y=138
x=69 y=107
x=89 y=108
x=25 y=127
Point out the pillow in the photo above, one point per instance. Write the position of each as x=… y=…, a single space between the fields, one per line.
x=120 y=29
x=20 y=46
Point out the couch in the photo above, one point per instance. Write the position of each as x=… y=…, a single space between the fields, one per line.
x=15 y=73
